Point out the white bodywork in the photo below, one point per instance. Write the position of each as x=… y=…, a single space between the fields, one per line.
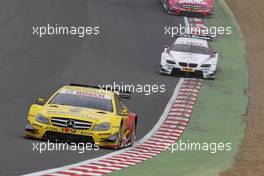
x=175 y=61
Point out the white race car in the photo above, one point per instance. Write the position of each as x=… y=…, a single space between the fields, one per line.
x=190 y=54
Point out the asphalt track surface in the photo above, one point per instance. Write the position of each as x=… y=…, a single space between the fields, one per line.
x=128 y=49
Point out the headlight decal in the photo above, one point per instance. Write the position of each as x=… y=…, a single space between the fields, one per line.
x=206 y=65
x=42 y=119
x=102 y=126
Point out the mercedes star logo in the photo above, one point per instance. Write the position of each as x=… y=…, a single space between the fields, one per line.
x=70 y=123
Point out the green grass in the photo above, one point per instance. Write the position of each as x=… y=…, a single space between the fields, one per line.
x=218 y=114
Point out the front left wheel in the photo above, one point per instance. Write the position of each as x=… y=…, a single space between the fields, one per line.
x=119 y=138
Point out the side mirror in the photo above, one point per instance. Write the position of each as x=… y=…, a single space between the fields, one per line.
x=213 y=54
x=166 y=48
x=124 y=111
x=40 y=101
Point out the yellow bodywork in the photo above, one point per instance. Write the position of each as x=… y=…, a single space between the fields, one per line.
x=93 y=116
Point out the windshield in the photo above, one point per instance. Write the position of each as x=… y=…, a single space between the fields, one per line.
x=83 y=101
x=190 y=49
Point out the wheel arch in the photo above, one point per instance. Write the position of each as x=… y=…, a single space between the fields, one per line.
x=133 y=120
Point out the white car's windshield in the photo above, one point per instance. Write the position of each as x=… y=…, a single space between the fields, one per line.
x=190 y=49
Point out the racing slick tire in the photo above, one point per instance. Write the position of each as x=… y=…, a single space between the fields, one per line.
x=133 y=136
x=119 y=138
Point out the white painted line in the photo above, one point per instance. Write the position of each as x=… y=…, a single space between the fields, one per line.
x=57 y=174
x=179 y=118
x=188 y=102
x=189 y=90
x=137 y=156
x=186 y=110
x=187 y=24
x=174 y=126
x=180 y=114
x=163 y=139
x=188 y=94
x=176 y=122
x=176 y=105
x=171 y=130
x=152 y=146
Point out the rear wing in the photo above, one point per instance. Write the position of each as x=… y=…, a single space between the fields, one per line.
x=203 y=37
x=120 y=93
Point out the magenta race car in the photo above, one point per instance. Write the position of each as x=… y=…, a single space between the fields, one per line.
x=177 y=7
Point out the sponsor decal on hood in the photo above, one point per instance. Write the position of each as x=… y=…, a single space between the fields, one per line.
x=86 y=93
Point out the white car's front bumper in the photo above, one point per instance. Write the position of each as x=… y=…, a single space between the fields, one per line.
x=175 y=69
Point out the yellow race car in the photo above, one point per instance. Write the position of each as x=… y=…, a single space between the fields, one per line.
x=81 y=113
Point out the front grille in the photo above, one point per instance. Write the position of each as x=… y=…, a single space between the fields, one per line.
x=170 y=62
x=195 y=74
x=183 y=64
x=193 y=65
x=77 y=124
x=67 y=138
x=195 y=7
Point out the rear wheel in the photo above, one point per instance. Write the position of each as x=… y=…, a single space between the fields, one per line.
x=133 y=135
